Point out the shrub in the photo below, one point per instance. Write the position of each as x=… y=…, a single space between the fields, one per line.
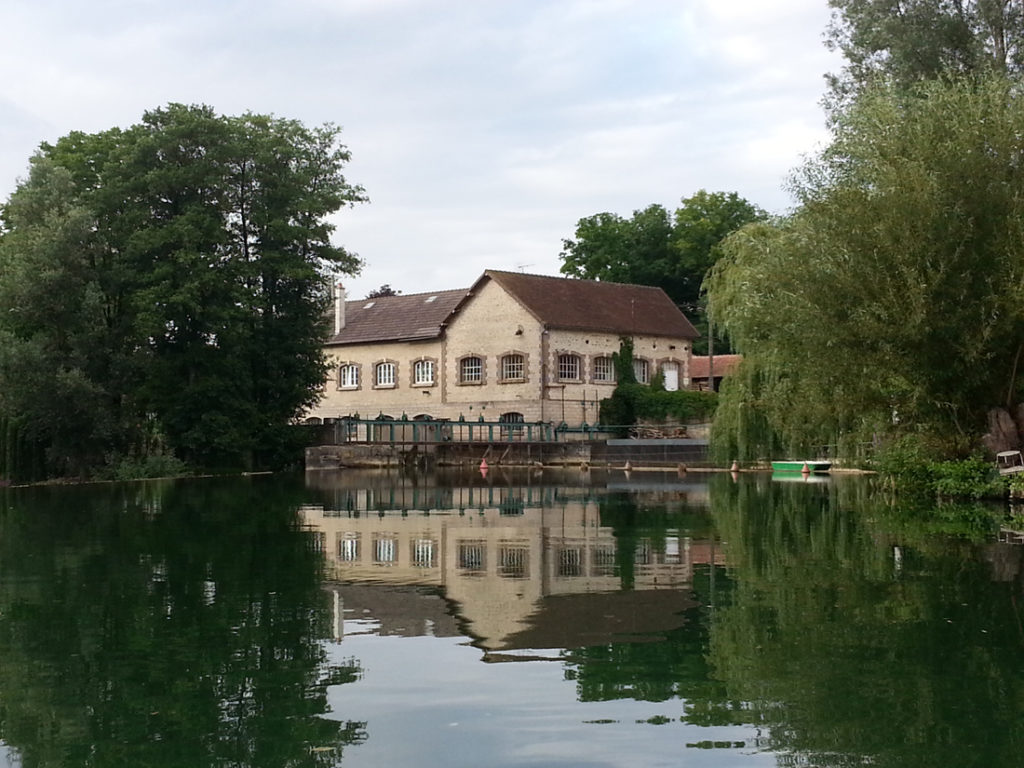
x=142 y=468
x=904 y=463
x=635 y=402
x=911 y=467
x=973 y=478
x=618 y=410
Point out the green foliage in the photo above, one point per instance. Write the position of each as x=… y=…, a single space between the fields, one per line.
x=622 y=361
x=384 y=290
x=670 y=251
x=144 y=467
x=892 y=301
x=905 y=463
x=922 y=40
x=22 y=459
x=742 y=430
x=167 y=624
x=974 y=478
x=619 y=410
x=632 y=402
x=175 y=271
x=855 y=634
x=649 y=405
x=911 y=467
x=681 y=406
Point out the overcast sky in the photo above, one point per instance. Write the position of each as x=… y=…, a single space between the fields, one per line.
x=482 y=130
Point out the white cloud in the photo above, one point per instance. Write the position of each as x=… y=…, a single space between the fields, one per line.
x=481 y=131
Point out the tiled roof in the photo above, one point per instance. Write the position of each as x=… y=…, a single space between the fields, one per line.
x=589 y=305
x=724 y=365
x=558 y=302
x=397 y=318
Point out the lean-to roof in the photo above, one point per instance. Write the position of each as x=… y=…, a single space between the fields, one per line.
x=724 y=365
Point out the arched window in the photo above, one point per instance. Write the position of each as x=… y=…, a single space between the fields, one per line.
x=423 y=372
x=642 y=370
x=348 y=376
x=604 y=370
x=670 y=370
x=514 y=420
x=384 y=374
x=568 y=368
x=513 y=367
x=471 y=370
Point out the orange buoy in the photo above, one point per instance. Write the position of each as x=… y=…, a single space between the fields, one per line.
x=735 y=467
x=483 y=464
x=806 y=470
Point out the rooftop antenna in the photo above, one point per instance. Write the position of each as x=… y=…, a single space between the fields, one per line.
x=522 y=267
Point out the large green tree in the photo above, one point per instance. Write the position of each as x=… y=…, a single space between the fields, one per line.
x=164 y=285
x=653 y=247
x=892 y=300
x=907 y=41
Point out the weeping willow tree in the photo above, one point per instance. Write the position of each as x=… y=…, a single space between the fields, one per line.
x=890 y=301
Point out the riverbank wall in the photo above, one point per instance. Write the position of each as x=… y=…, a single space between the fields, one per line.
x=637 y=453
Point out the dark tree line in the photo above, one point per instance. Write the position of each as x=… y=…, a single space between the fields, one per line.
x=162 y=289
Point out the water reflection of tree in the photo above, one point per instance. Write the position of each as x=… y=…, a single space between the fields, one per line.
x=852 y=646
x=165 y=626
x=671 y=665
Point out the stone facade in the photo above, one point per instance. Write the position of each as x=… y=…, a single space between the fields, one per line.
x=494 y=357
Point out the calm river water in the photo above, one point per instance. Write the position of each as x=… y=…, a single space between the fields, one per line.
x=551 y=619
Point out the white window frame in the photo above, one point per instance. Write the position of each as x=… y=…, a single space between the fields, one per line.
x=513 y=367
x=348 y=376
x=423 y=372
x=385 y=550
x=348 y=548
x=604 y=370
x=514 y=561
x=472 y=556
x=569 y=365
x=384 y=374
x=423 y=553
x=471 y=372
x=642 y=370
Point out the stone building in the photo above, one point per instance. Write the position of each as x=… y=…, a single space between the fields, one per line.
x=512 y=347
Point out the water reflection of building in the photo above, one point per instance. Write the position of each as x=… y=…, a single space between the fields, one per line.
x=507 y=554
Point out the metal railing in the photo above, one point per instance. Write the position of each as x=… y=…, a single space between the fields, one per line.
x=409 y=431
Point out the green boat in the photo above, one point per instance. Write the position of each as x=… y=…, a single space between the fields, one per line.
x=799 y=465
